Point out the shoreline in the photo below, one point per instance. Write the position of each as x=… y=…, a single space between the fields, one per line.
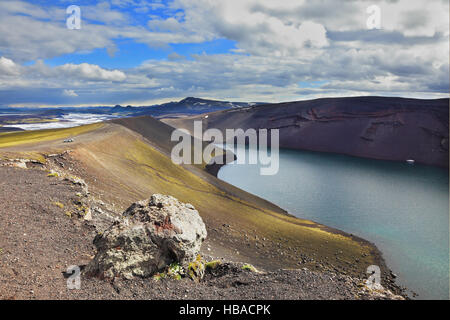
x=228 y=237
x=291 y=284
x=213 y=167
x=368 y=157
x=387 y=279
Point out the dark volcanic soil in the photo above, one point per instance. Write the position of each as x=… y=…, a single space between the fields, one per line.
x=38 y=242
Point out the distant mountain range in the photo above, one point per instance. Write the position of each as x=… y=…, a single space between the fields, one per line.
x=187 y=106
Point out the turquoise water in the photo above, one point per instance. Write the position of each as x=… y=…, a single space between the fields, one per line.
x=403 y=209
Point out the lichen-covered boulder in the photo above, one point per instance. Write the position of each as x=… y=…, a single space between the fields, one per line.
x=151 y=234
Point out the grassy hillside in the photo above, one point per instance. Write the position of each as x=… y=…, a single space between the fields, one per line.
x=10 y=139
x=122 y=165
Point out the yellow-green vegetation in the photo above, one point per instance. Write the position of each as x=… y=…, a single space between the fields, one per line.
x=30 y=121
x=212 y=264
x=9 y=139
x=175 y=271
x=30 y=155
x=82 y=210
x=53 y=174
x=165 y=174
x=196 y=269
x=128 y=169
x=132 y=170
x=68 y=213
x=58 y=204
x=249 y=267
x=159 y=276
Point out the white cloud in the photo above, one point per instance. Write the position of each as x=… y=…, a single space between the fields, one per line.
x=279 y=44
x=416 y=18
x=169 y=24
x=91 y=72
x=175 y=56
x=8 y=67
x=25 y=38
x=102 y=12
x=21 y=7
x=69 y=93
x=256 y=31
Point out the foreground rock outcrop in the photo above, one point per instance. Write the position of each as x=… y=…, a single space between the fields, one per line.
x=65 y=239
x=151 y=234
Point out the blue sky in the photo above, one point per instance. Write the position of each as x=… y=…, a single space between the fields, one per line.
x=132 y=54
x=141 y=51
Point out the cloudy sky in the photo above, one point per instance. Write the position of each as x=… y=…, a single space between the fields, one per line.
x=142 y=52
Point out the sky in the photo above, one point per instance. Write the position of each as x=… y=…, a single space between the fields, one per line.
x=143 y=52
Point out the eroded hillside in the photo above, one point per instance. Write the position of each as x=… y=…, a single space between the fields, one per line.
x=374 y=127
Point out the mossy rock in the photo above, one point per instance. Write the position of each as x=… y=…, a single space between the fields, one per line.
x=196 y=269
x=213 y=264
x=53 y=174
x=58 y=204
x=249 y=267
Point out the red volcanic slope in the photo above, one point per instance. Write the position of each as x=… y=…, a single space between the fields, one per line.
x=374 y=127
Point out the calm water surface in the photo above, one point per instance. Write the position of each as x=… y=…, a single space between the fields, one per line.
x=403 y=209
